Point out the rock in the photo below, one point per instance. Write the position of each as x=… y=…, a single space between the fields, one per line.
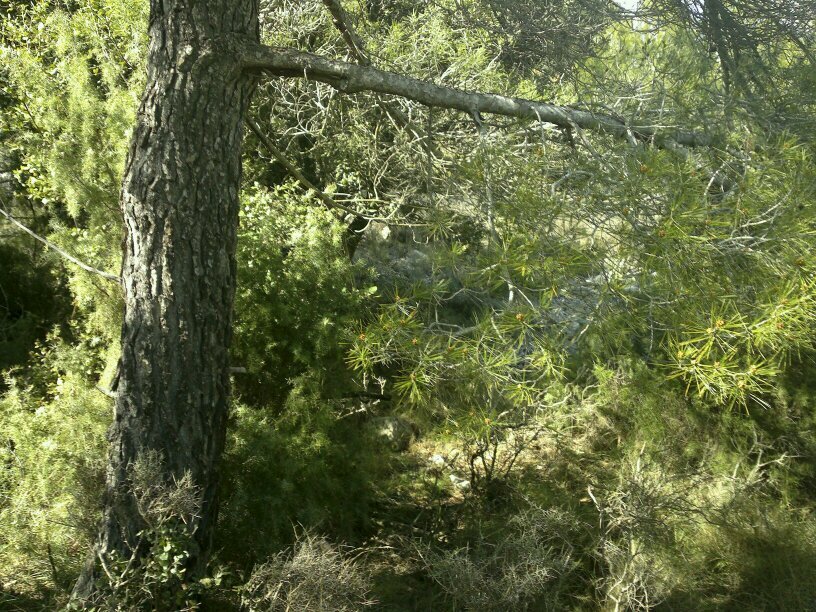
x=378 y=231
x=460 y=483
x=394 y=431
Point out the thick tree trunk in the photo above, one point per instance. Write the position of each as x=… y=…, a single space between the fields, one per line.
x=180 y=202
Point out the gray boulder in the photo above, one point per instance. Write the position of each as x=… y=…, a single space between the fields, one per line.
x=394 y=431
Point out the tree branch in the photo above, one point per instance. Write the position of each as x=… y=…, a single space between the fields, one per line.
x=358 y=49
x=295 y=172
x=54 y=247
x=352 y=78
x=350 y=36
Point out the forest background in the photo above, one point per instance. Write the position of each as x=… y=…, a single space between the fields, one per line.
x=480 y=362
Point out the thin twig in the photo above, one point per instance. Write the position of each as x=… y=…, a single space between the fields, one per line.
x=108 y=392
x=350 y=36
x=295 y=172
x=54 y=247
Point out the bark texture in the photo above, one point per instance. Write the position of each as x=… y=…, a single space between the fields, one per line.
x=180 y=203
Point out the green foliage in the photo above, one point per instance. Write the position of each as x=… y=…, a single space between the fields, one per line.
x=31 y=302
x=506 y=361
x=572 y=320
x=71 y=74
x=74 y=74
x=51 y=471
x=296 y=293
x=307 y=467
x=683 y=487
x=77 y=74
x=157 y=575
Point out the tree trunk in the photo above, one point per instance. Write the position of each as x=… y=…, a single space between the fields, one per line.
x=180 y=202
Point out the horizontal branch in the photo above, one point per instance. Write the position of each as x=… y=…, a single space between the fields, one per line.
x=352 y=78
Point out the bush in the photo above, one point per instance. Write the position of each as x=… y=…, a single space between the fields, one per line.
x=31 y=302
x=525 y=569
x=157 y=574
x=295 y=297
x=315 y=577
x=305 y=467
x=52 y=458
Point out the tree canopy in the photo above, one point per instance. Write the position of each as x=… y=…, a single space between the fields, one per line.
x=524 y=308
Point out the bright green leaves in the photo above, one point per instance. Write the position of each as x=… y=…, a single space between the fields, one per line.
x=735 y=358
x=434 y=364
x=426 y=42
x=77 y=77
x=52 y=450
x=297 y=291
x=74 y=73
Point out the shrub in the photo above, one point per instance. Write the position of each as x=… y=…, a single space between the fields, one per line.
x=157 y=574
x=295 y=297
x=31 y=302
x=303 y=467
x=315 y=577
x=525 y=569
x=52 y=451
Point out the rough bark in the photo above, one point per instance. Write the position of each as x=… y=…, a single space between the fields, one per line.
x=180 y=203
